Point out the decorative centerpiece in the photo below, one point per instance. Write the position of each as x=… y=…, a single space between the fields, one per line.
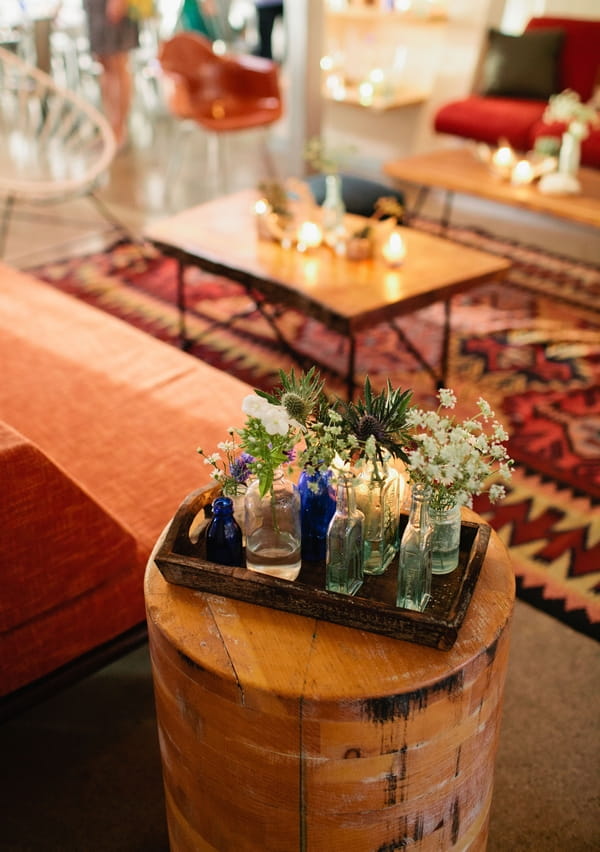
x=377 y=235
x=328 y=162
x=454 y=461
x=355 y=459
x=518 y=169
x=566 y=107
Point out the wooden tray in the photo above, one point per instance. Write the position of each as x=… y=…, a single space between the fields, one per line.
x=181 y=560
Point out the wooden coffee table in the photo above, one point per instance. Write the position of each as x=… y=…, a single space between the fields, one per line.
x=458 y=170
x=347 y=296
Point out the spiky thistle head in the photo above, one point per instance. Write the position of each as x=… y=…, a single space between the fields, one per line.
x=299 y=395
x=380 y=416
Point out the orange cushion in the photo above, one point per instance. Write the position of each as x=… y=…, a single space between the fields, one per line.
x=58 y=541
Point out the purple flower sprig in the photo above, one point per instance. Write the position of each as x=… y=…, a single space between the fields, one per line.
x=231 y=471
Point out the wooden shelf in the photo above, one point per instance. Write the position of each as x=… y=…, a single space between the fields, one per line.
x=402 y=97
x=374 y=14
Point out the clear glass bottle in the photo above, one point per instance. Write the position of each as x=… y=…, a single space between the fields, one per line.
x=378 y=498
x=445 y=539
x=333 y=211
x=344 y=560
x=272 y=525
x=224 y=536
x=414 y=564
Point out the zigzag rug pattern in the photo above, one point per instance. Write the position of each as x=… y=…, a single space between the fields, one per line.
x=530 y=345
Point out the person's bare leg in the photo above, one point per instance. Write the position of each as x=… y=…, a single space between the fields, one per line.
x=116 y=88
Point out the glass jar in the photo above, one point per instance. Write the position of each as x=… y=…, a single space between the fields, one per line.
x=378 y=498
x=317 y=505
x=272 y=525
x=414 y=564
x=445 y=539
x=344 y=560
x=333 y=211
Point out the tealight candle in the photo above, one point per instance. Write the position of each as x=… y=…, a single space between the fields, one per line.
x=309 y=236
x=503 y=158
x=365 y=93
x=262 y=206
x=394 y=250
x=522 y=173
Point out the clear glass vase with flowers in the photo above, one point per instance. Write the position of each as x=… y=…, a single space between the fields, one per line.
x=377 y=421
x=455 y=461
x=272 y=502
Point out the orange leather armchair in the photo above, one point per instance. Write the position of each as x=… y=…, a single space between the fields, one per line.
x=221 y=93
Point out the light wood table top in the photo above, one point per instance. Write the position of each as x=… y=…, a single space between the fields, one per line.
x=348 y=295
x=459 y=170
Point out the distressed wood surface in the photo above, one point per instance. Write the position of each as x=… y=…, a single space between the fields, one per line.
x=280 y=732
x=182 y=561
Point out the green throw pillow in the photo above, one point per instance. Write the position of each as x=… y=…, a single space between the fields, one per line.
x=522 y=66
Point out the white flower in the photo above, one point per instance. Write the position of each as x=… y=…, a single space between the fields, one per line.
x=447 y=398
x=454 y=459
x=274 y=418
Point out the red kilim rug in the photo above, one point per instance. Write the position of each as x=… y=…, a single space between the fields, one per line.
x=530 y=345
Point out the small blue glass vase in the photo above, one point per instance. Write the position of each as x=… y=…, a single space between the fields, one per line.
x=317 y=506
x=224 y=535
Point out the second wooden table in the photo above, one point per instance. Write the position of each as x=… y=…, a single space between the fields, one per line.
x=346 y=295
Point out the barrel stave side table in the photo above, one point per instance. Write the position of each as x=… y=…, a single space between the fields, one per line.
x=281 y=733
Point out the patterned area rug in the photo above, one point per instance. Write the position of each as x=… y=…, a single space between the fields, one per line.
x=530 y=345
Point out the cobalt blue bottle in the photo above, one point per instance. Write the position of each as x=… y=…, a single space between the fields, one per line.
x=224 y=535
x=317 y=505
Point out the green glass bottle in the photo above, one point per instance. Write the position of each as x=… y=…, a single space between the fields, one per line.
x=344 y=559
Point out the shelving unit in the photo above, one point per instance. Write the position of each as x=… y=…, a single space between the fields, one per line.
x=374 y=55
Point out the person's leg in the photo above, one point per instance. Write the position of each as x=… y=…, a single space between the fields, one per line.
x=266 y=20
x=116 y=86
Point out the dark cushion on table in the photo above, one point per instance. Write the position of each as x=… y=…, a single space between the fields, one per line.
x=490 y=119
x=522 y=66
x=359 y=194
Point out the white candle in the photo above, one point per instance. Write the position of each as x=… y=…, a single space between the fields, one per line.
x=394 y=250
x=309 y=236
x=522 y=173
x=503 y=158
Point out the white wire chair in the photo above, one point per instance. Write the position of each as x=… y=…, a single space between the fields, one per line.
x=54 y=145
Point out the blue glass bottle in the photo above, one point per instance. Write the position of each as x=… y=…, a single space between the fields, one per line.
x=317 y=505
x=224 y=535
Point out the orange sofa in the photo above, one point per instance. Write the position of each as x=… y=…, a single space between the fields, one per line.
x=99 y=425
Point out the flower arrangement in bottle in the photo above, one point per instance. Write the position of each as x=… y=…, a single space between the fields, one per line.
x=457 y=459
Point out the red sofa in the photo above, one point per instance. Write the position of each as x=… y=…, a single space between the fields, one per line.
x=517 y=117
x=99 y=425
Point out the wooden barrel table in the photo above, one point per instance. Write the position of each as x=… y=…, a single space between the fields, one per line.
x=283 y=733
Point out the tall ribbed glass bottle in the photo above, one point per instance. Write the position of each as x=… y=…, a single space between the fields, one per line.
x=344 y=559
x=414 y=563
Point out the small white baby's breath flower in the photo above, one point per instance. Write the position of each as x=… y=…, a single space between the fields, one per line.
x=447 y=397
x=485 y=408
x=497 y=493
